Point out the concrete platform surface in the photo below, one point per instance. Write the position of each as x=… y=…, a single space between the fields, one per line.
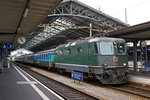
x=15 y=84
x=139 y=77
x=94 y=90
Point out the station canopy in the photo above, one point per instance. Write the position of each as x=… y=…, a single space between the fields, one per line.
x=137 y=32
x=20 y=17
x=68 y=14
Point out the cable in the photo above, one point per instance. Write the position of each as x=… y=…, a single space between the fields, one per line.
x=122 y=11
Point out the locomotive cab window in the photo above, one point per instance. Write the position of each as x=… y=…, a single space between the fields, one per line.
x=121 y=48
x=106 y=48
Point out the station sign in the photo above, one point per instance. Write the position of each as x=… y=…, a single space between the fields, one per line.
x=7 y=46
x=2 y=53
x=77 y=76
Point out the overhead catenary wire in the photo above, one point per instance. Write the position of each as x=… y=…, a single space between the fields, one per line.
x=131 y=7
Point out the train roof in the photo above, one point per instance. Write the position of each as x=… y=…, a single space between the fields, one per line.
x=45 y=51
x=87 y=40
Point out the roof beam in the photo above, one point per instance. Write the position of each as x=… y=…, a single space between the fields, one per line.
x=131 y=32
x=7 y=33
x=24 y=11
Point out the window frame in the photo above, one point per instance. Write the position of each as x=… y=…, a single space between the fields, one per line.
x=61 y=51
x=125 y=51
x=68 y=50
x=79 y=50
x=100 y=46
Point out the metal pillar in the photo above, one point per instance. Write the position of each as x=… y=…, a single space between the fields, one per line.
x=135 y=55
x=90 y=29
x=5 y=65
x=1 y=63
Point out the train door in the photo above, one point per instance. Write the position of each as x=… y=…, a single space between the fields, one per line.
x=93 y=54
x=48 y=57
x=90 y=50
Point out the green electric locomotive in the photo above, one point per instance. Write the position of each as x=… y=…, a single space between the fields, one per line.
x=102 y=58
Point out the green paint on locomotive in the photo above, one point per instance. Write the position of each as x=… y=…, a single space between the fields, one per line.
x=94 y=53
x=79 y=55
x=74 y=57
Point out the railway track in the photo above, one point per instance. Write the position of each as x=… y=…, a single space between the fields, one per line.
x=69 y=94
x=66 y=92
x=139 y=91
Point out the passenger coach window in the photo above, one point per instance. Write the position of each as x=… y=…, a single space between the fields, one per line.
x=46 y=56
x=79 y=49
x=106 y=48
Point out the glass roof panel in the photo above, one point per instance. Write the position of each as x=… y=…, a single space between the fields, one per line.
x=45 y=33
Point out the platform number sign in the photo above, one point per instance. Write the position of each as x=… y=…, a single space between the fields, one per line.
x=77 y=76
x=7 y=46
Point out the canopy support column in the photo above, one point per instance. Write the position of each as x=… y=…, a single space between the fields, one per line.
x=135 y=55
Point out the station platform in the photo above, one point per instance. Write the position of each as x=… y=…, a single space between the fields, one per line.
x=141 y=77
x=141 y=73
x=15 y=84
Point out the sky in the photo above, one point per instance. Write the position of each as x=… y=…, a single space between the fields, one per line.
x=137 y=10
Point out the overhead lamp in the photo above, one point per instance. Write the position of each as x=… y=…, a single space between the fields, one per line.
x=18 y=29
x=26 y=12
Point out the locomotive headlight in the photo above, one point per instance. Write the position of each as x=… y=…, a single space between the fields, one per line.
x=124 y=64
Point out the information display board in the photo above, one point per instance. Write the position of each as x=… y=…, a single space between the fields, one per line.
x=77 y=76
x=7 y=46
